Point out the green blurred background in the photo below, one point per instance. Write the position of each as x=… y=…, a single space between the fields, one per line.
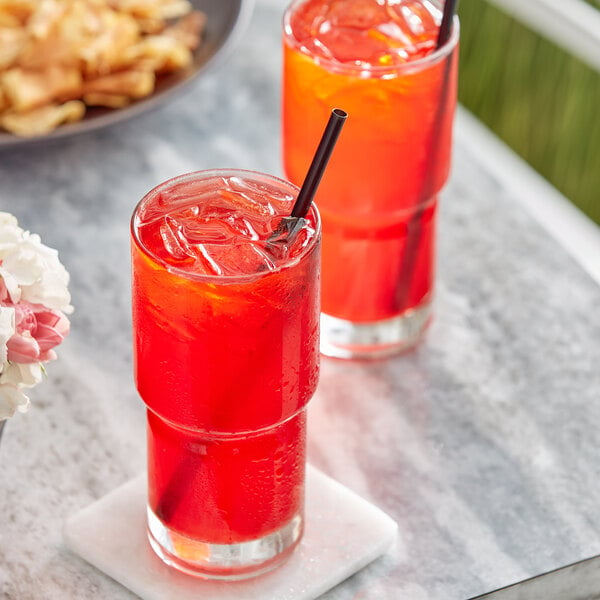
x=541 y=101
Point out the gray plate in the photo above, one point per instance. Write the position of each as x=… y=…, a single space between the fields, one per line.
x=226 y=20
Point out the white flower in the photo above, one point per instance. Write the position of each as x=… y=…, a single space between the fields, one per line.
x=14 y=378
x=10 y=233
x=27 y=375
x=34 y=296
x=7 y=329
x=12 y=286
x=34 y=267
x=11 y=396
x=11 y=400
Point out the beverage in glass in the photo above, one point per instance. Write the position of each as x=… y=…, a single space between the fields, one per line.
x=226 y=327
x=377 y=60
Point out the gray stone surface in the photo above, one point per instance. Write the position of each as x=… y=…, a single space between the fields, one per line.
x=482 y=443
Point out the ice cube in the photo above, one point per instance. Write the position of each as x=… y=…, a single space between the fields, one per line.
x=358 y=14
x=205 y=231
x=239 y=259
x=349 y=45
x=418 y=20
x=247 y=196
x=395 y=35
x=149 y=213
x=287 y=236
x=209 y=262
x=286 y=230
x=174 y=240
x=260 y=259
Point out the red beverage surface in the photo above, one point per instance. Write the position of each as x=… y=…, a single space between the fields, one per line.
x=225 y=343
x=378 y=63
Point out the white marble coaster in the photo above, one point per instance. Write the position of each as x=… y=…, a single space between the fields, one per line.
x=343 y=533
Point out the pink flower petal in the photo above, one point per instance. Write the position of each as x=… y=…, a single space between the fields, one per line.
x=23 y=349
x=47 y=337
x=48 y=355
x=4 y=296
x=25 y=319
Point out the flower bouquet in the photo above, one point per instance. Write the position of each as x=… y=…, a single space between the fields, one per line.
x=34 y=302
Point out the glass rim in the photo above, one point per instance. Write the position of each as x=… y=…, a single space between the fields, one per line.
x=208 y=174
x=351 y=69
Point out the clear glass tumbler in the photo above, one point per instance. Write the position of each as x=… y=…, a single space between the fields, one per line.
x=226 y=358
x=378 y=197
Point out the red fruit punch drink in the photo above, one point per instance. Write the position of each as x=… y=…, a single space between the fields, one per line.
x=376 y=60
x=226 y=333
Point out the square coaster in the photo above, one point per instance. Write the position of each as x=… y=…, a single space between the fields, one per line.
x=343 y=533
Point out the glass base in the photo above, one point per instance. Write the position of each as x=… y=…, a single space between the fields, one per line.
x=223 y=561
x=375 y=339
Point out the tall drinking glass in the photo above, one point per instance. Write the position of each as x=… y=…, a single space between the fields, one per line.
x=378 y=198
x=226 y=356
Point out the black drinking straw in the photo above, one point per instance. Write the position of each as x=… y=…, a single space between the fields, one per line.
x=176 y=486
x=446 y=24
x=413 y=232
x=319 y=162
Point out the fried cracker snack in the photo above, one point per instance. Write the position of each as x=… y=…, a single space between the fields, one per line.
x=58 y=57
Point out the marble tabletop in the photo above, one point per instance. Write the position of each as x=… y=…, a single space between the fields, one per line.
x=482 y=444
